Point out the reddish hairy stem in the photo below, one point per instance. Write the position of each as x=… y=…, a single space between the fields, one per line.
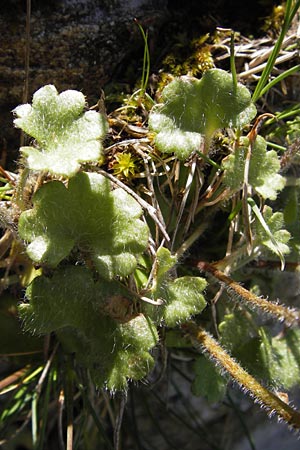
x=262 y=395
x=290 y=316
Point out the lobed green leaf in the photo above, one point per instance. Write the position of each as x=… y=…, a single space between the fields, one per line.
x=263 y=171
x=277 y=238
x=273 y=359
x=165 y=261
x=88 y=215
x=235 y=330
x=181 y=297
x=208 y=381
x=64 y=134
x=193 y=110
x=285 y=364
x=83 y=314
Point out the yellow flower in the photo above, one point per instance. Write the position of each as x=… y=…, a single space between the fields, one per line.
x=124 y=165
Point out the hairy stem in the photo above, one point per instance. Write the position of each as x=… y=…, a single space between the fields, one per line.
x=266 y=398
x=290 y=316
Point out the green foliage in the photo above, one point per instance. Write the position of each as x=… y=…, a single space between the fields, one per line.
x=293 y=126
x=100 y=222
x=283 y=360
x=275 y=237
x=236 y=330
x=274 y=359
x=65 y=136
x=94 y=320
x=290 y=200
x=263 y=172
x=165 y=262
x=208 y=381
x=193 y=110
x=85 y=220
x=12 y=339
x=106 y=282
x=182 y=297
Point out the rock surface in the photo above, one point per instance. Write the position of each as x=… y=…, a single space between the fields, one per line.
x=80 y=44
x=74 y=44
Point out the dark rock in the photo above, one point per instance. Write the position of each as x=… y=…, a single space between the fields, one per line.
x=74 y=44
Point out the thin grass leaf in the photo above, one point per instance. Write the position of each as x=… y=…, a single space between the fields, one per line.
x=94 y=415
x=294 y=10
x=146 y=59
x=209 y=160
x=280 y=77
x=289 y=14
x=276 y=146
x=281 y=115
x=69 y=393
x=235 y=211
x=19 y=400
x=34 y=419
x=16 y=404
x=263 y=223
x=13 y=381
x=45 y=410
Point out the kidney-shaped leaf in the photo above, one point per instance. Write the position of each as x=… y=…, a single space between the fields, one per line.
x=102 y=223
x=208 y=381
x=64 y=134
x=271 y=233
x=194 y=109
x=263 y=171
x=181 y=297
x=79 y=310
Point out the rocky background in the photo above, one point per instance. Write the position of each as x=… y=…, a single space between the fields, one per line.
x=85 y=44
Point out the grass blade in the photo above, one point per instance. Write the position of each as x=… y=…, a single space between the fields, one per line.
x=280 y=77
x=290 y=12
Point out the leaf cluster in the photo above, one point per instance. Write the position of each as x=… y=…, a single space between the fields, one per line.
x=110 y=279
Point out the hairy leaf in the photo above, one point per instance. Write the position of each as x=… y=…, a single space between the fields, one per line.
x=194 y=109
x=12 y=338
x=208 y=381
x=95 y=320
x=181 y=297
x=290 y=199
x=64 y=134
x=88 y=215
x=165 y=262
x=263 y=172
x=276 y=234
x=275 y=360
x=285 y=369
x=235 y=330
